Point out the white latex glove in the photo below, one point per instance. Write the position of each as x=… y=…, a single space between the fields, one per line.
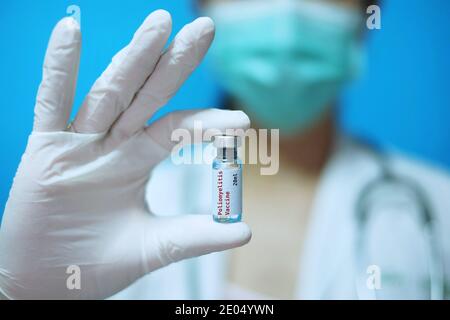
x=78 y=196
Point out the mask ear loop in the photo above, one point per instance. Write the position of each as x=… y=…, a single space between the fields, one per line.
x=357 y=52
x=357 y=60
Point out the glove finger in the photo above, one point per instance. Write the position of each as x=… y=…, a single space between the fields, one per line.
x=183 y=56
x=57 y=89
x=193 y=121
x=178 y=238
x=116 y=87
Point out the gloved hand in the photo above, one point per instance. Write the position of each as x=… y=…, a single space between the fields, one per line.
x=78 y=195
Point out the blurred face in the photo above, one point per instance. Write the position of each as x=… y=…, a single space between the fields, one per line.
x=284 y=62
x=352 y=3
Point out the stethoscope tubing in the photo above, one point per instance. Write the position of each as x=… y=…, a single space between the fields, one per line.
x=434 y=259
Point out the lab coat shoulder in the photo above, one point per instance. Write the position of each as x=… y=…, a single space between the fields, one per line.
x=434 y=183
x=327 y=265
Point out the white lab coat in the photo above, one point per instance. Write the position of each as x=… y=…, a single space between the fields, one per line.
x=327 y=269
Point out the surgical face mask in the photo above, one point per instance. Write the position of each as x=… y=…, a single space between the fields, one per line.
x=284 y=61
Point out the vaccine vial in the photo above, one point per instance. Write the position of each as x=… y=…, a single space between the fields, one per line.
x=226 y=180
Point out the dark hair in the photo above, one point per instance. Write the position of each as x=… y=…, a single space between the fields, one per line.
x=367 y=3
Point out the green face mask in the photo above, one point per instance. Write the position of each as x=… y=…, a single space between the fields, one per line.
x=284 y=62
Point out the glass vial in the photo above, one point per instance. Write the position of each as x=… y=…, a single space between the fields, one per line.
x=226 y=180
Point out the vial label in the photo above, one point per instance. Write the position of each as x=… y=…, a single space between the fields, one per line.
x=227 y=193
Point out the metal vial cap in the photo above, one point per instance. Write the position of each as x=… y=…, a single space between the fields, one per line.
x=227 y=142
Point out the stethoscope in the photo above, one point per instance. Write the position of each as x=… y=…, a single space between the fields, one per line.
x=367 y=198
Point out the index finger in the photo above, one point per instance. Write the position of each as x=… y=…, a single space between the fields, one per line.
x=57 y=89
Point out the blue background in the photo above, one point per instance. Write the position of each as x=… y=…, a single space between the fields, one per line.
x=402 y=101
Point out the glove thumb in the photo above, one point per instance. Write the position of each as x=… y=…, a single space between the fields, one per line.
x=188 y=236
